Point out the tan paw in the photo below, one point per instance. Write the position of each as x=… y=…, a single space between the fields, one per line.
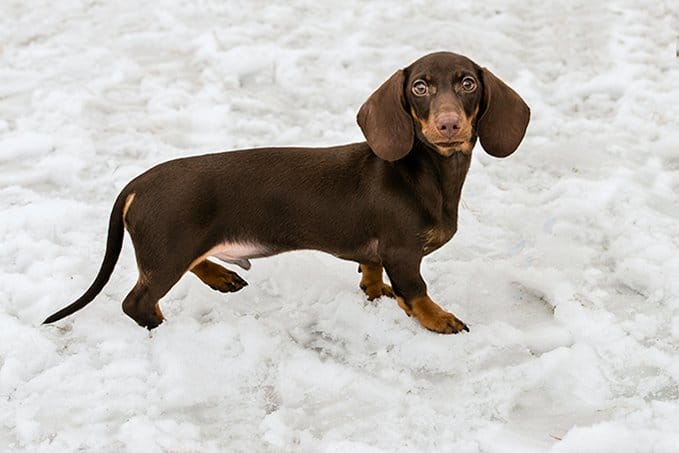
x=443 y=322
x=431 y=316
x=376 y=290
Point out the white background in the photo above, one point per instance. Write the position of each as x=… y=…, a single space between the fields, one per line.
x=565 y=266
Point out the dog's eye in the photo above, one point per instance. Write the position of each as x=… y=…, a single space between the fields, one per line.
x=420 y=87
x=468 y=84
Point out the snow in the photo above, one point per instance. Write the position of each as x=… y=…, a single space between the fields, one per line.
x=565 y=264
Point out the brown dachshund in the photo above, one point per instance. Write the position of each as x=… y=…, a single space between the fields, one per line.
x=384 y=203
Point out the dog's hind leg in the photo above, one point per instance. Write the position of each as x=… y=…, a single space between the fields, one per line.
x=217 y=277
x=141 y=304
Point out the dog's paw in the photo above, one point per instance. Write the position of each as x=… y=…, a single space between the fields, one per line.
x=227 y=282
x=444 y=323
x=431 y=316
x=376 y=290
x=218 y=278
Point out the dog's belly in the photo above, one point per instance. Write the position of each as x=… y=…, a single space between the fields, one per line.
x=239 y=253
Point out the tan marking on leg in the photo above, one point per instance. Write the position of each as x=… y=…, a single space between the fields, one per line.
x=432 y=316
x=404 y=307
x=371 y=282
x=159 y=312
x=126 y=207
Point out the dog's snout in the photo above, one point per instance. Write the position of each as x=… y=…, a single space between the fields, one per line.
x=448 y=124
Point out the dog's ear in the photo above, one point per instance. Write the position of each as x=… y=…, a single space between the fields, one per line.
x=505 y=116
x=386 y=125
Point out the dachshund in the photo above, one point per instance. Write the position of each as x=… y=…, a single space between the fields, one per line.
x=384 y=203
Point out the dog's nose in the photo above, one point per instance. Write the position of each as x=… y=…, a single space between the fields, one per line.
x=448 y=124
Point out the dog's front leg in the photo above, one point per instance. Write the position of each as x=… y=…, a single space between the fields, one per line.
x=403 y=268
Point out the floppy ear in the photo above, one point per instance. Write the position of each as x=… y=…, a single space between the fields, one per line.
x=503 y=122
x=386 y=125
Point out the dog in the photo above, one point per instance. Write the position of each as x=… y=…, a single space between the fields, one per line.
x=384 y=203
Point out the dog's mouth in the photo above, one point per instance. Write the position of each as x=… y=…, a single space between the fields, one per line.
x=448 y=148
x=449 y=144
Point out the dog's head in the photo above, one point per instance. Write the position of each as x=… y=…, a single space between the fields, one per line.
x=446 y=101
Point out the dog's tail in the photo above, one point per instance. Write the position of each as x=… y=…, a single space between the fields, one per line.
x=114 y=244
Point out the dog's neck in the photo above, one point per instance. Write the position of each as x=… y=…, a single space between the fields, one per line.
x=439 y=179
x=450 y=172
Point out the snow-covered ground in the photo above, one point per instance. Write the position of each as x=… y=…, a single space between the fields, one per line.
x=565 y=266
